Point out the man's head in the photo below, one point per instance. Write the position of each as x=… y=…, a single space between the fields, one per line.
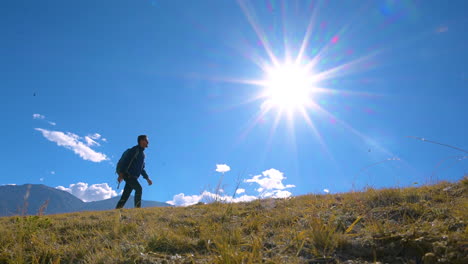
x=143 y=141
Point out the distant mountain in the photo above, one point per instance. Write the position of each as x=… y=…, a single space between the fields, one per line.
x=29 y=198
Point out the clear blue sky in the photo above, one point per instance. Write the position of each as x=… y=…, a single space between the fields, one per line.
x=80 y=80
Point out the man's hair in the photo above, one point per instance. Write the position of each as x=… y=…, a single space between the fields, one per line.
x=141 y=137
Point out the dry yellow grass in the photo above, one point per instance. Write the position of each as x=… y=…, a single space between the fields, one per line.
x=408 y=225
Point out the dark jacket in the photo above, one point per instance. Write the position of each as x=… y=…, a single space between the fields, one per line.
x=133 y=162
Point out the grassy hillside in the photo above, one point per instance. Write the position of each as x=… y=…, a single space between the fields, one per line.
x=412 y=225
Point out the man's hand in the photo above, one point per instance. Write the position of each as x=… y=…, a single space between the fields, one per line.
x=149 y=181
x=121 y=177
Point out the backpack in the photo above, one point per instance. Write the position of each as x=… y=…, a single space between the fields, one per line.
x=121 y=160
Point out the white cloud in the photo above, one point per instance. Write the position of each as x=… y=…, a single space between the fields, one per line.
x=207 y=197
x=240 y=190
x=95 y=192
x=95 y=136
x=222 y=168
x=71 y=141
x=183 y=200
x=90 y=142
x=38 y=116
x=243 y=198
x=271 y=186
x=42 y=117
x=41 y=179
x=326 y=190
x=270 y=181
x=52 y=172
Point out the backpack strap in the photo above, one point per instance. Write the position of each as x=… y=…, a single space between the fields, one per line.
x=133 y=158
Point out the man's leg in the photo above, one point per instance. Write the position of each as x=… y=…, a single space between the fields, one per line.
x=138 y=193
x=126 y=193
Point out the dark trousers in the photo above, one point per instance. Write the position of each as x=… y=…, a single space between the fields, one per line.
x=130 y=185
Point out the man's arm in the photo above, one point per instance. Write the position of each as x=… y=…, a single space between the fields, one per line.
x=145 y=175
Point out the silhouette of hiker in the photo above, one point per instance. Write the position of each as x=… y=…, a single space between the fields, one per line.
x=129 y=168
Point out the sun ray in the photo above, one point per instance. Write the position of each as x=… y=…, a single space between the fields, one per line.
x=260 y=34
x=311 y=124
x=274 y=127
x=305 y=41
x=351 y=129
x=292 y=135
x=317 y=134
x=322 y=90
x=285 y=39
x=324 y=50
x=255 y=120
x=339 y=71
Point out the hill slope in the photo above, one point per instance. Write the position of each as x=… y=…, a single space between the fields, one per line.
x=110 y=204
x=29 y=198
x=413 y=225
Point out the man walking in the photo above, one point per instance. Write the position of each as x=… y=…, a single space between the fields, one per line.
x=129 y=168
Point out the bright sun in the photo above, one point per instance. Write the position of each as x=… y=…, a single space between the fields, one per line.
x=288 y=87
